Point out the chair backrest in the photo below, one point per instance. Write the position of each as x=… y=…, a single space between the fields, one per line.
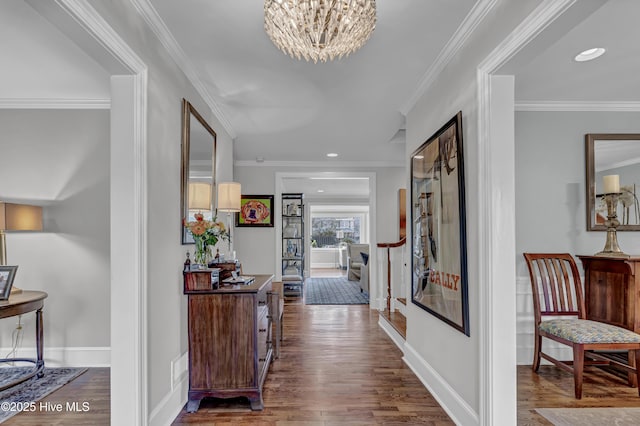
x=556 y=285
x=354 y=250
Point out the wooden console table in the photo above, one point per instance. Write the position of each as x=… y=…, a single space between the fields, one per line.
x=612 y=293
x=18 y=304
x=230 y=346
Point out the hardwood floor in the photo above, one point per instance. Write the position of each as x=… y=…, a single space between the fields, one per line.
x=397 y=321
x=552 y=387
x=91 y=387
x=336 y=367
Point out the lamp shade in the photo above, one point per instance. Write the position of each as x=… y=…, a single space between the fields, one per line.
x=229 y=196
x=20 y=217
x=199 y=196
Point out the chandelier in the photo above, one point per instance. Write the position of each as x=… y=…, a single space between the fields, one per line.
x=319 y=29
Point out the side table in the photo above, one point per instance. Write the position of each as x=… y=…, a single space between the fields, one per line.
x=18 y=304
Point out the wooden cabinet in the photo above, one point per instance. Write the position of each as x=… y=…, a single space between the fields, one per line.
x=612 y=296
x=612 y=290
x=229 y=342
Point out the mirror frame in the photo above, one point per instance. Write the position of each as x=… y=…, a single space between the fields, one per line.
x=590 y=184
x=187 y=112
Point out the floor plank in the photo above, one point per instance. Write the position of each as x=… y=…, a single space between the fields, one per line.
x=336 y=367
x=552 y=388
x=397 y=321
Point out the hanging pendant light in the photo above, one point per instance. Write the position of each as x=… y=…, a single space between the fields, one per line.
x=319 y=30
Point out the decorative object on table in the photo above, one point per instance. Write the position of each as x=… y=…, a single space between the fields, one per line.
x=7 y=275
x=611 y=185
x=610 y=154
x=187 y=263
x=17 y=218
x=205 y=234
x=255 y=211
x=320 y=30
x=201 y=279
x=198 y=165
x=439 y=260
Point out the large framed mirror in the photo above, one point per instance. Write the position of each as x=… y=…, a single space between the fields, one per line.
x=197 y=189
x=613 y=154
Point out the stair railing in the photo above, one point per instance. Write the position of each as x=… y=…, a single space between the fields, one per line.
x=389 y=246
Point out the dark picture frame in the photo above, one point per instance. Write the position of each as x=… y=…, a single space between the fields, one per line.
x=438 y=218
x=255 y=211
x=7 y=275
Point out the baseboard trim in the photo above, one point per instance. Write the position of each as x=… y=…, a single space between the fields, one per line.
x=93 y=356
x=171 y=405
x=456 y=407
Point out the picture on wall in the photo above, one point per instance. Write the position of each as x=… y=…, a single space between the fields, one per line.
x=255 y=210
x=439 y=254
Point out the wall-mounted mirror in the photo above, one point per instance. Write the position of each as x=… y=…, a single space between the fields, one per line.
x=198 y=166
x=613 y=154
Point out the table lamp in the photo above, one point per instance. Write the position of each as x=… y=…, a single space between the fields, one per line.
x=611 y=190
x=199 y=196
x=17 y=217
x=229 y=200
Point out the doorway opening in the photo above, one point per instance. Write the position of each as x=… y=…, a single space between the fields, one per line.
x=333 y=228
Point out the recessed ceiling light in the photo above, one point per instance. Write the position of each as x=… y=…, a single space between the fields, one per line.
x=589 y=54
x=320 y=190
x=332 y=154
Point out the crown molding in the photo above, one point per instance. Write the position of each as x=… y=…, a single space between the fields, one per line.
x=45 y=103
x=455 y=43
x=577 y=106
x=319 y=164
x=157 y=25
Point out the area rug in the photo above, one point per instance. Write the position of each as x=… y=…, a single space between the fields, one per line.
x=333 y=291
x=33 y=389
x=591 y=416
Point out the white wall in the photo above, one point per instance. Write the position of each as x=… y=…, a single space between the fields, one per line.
x=60 y=159
x=167 y=311
x=551 y=195
x=256 y=246
x=444 y=358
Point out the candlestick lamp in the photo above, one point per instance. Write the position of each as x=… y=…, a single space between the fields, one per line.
x=611 y=186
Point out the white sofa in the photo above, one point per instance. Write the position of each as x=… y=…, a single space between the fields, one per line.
x=354 y=260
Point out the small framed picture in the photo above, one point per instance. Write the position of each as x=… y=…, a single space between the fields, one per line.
x=7 y=274
x=255 y=210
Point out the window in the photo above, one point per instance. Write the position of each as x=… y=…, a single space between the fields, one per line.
x=330 y=230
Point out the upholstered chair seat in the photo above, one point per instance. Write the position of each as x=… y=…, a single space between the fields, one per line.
x=587 y=331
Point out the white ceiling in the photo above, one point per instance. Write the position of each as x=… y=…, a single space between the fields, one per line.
x=282 y=109
x=554 y=76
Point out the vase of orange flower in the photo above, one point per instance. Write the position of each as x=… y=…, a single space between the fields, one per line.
x=206 y=234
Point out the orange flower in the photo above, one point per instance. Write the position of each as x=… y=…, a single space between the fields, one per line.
x=198 y=228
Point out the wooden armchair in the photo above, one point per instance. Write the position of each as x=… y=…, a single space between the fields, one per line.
x=557 y=292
